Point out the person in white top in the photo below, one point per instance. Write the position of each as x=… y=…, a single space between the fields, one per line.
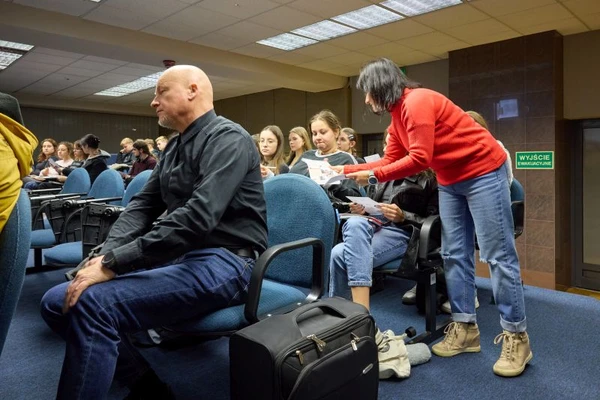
x=65 y=159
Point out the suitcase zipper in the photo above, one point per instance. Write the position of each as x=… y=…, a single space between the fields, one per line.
x=305 y=342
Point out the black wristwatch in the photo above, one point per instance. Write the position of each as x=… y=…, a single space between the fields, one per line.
x=109 y=261
x=372 y=178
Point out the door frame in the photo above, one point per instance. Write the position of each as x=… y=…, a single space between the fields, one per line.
x=577 y=203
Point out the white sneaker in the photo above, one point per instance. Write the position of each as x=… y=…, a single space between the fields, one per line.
x=410 y=297
x=448 y=310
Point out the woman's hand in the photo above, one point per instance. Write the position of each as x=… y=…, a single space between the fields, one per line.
x=392 y=212
x=265 y=172
x=339 y=169
x=45 y=171
x=360 y=177
x=357 y=208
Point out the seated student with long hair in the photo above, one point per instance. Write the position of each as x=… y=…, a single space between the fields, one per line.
x=144 y=160
x=270 y=146
x=299 y=143
x=325 y=128
x=404 y=205
x=96 y=160
x=47 y=154
x=347 y=142
x=53 y=167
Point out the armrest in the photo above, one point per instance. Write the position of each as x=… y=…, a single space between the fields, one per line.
x=41 y=192
x=430 y=228
x=47 y=202
x=81 y=203
x=263 y=262
x=518 y=211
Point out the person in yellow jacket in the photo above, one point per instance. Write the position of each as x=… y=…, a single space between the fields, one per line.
x=16 y=154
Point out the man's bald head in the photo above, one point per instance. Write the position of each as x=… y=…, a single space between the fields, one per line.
x=183 y=93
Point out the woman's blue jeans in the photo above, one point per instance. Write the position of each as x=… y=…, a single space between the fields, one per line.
x=97 y=348
x=481 y=206
x=362 y=250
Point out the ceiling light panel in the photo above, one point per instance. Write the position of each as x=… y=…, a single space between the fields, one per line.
x=324 y=30
x=143 y=83
x=11 y=52
x=410 y=8
x=368 y=17
x=287 y=41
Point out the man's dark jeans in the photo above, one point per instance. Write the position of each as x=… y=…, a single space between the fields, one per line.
x=196 y=284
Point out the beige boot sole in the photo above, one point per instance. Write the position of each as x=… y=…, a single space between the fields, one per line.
x=514 y=372
x=451 y=353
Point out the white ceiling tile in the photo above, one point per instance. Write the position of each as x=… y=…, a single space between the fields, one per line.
x=496 y=8
x=26 y=66
x=193 y=19
x=40 y=89
x=134 y=73
x=441 y=51
x=93 y=66
x=69 y=7
x=89 y=73
x=412 y=58
x=492 y=37
x=292 y=58
x=219 y=41
x=350 y=58
x=172 y=31
x=120 y=18
x=565 y=27
x=321 y=65
x=428 y=40
x=400 y=30
x=251 y=32
x=582 y=8
x=47 y=59
x=357 y=41
x=344 y=71
x=328 y=8
x=239 y=8
x=592 y=20
x=387 y=50
x=57 y=53
x=285 y=18
x=542 y=15
x=471 y=32
x=258 y=50
x=153 y=8
x=321 y=50
x=62 y=80
x=103 y=60
x=452 y=16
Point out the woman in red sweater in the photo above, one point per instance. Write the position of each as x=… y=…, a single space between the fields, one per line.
x=429 y=131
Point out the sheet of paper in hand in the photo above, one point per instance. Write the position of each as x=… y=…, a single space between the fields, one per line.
x=372 y=158
x=370 y=205
x=321 y=172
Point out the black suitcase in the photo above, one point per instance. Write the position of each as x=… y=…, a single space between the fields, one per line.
x=323 y=350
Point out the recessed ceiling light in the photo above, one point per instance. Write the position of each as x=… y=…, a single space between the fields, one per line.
x=11 y=52
x=324 y=30
x=287 y=41
x=95 y=1
x=411 y=8
x=143 y=83
x=368 y=17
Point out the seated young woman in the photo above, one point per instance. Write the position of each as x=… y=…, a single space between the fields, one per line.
x=325 y=128
x=347 y=142
x=47 y=155
x=270 y=146
x=96 y=161
x=404 y=205
x=55 y=170
x=299 y=143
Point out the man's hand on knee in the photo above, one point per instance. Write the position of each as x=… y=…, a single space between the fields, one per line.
x=92 y=273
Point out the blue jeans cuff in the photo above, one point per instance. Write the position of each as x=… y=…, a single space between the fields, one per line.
x=465 y=318
x=360 y=283
x=520 y=326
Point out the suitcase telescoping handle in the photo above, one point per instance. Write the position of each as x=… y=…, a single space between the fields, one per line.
x=337 y=306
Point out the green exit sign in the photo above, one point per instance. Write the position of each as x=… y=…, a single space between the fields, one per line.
x=534 y=159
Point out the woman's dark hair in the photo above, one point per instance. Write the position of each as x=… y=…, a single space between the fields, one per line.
x=383 y=80
x=91 y=141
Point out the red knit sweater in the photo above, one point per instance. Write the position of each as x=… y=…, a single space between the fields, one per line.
x=428 y=130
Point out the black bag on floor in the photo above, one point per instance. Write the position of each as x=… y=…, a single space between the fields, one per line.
x=324 y=350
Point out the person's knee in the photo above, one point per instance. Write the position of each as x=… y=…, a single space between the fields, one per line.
x=337 y=256
x=51 y=305
x=356 y=223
